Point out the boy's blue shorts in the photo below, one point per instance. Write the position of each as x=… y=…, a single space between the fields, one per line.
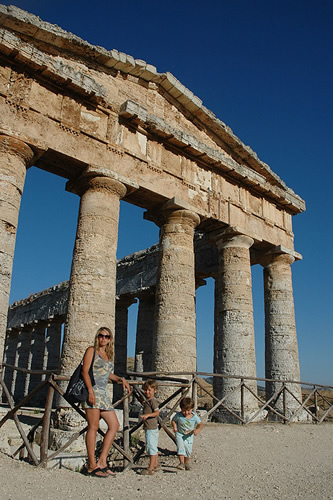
x=184 y=444
x=151 y=441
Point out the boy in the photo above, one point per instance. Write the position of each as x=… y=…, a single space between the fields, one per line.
x=150 y=425
x=186 y=424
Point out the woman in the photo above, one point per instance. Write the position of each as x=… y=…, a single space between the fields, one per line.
x=99 y=403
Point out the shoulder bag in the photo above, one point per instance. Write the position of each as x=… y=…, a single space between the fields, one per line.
x=77 y=391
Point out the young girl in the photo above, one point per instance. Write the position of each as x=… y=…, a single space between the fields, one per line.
x=99 y=403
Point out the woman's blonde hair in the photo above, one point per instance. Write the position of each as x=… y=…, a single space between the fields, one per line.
x=110 y=347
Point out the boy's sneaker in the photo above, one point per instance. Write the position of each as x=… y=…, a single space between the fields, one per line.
x=188 y=467
x=147 y=472
x=180 y=467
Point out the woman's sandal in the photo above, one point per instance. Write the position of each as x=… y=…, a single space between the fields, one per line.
x=95 y=473
x=109 y=471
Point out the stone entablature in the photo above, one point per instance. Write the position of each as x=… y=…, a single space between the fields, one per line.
x=165 y=131
x=33 y=28
x=38 y=307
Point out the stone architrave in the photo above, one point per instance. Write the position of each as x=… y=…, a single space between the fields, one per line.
x=92 y=292
x=281 y=349
x=174 y=346
x=15 y=158
x=145 y=331
x=234 y=346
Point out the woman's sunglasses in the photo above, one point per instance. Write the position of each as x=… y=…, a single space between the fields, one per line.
x=101 y=336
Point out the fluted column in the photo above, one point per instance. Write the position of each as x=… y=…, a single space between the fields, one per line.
x=15 y=158
x=281 y=350
x=92 y=292
x=234 y=349
x=145 y=330
x=174 y=347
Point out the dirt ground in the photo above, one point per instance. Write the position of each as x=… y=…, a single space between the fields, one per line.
x=259 y=461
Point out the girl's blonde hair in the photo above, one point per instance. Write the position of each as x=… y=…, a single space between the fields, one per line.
x=110 y=347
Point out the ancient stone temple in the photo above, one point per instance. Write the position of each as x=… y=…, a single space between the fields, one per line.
x=119 y=130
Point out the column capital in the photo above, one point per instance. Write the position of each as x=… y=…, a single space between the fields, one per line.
x=230 y=239
x=172 y=210
x=179 y=215
x=96 y=183
x=11 y=145
x=278 y=254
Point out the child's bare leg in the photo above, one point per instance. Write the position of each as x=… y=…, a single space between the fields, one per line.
x=181 y=459
x=152 y=461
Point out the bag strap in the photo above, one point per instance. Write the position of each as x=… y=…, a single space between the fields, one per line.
x=93 y=359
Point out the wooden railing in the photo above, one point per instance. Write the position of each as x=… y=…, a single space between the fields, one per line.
x=317 y=406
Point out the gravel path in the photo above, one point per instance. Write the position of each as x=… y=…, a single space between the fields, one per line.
x=260 y=461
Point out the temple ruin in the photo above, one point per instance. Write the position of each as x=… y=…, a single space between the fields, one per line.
x=117 y=129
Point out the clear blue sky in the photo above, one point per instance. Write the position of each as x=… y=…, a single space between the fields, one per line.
x=264 y=67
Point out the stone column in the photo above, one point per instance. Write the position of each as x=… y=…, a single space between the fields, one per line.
x=23 y=360
x=52 y=346
x=234 y=349
x=10 y=353
x=92 y=292
x=281 y=350
x=121 y=336
x=174 y=347
x=145 y=330
x=37 y=359
x=15 y=158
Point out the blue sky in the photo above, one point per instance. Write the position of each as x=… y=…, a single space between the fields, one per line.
x=264 y=67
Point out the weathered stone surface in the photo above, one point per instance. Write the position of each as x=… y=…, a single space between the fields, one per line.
x=15 y=158
x=116 y=128
x=234 y=329
x=174 y=343
x=93 y=276
x=41 y=306
x=281 y=350
x=145 y=331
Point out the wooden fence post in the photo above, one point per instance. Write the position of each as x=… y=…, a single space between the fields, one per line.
x=284 y=396
x=242 y=400
x=195 y=393
x=126 y=435
x=44 y=444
